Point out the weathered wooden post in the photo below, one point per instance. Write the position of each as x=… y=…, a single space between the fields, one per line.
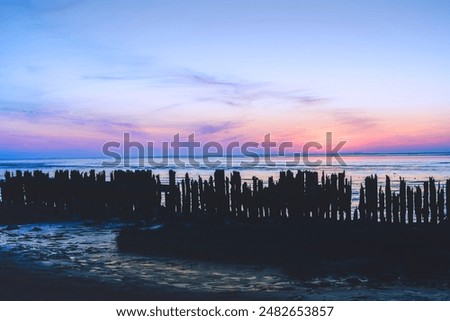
x=418 y=205
x=433 y=204
x=402 y=201
x=382 y=206
x=441 y=206
x=362 y=204
x=388 y=200
x=410 y=197
x=426 y=198
x=395 y=208
x=334 y=196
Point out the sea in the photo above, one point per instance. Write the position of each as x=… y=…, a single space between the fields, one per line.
x=88 y=249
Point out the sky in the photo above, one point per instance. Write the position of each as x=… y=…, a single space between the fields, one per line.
x=77 y=74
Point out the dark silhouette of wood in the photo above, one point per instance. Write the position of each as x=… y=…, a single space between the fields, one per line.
x=388 y=200
x=334 y=195
x=371 y=198
x=138 y=195
x=418 y=204
x=362 y=204
x=402 y=201
x=441 y=212
x=425 y=209
x=433 y=201
x=382 y=206
x=410 y=201
x=395 y=208
x=447 y=197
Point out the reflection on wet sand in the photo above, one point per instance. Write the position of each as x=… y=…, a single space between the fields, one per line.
x=88 y=251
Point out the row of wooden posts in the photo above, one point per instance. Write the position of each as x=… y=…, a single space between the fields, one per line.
x=140 y=194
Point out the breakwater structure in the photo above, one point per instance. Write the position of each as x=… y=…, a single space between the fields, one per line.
x=304 y=221
x=32 y=196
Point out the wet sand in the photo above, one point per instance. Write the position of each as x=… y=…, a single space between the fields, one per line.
x=18 y=283
x=79 y=261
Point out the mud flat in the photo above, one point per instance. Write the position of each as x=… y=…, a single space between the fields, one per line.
x=304 y=248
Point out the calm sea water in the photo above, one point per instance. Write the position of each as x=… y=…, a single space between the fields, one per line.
x=88 y=250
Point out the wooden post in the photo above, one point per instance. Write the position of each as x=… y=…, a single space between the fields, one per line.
x=362 y=204
x=195 y=194
x=441 y=206
x=447 y=197
x=402 y=201
x=382 y=206
x=334 y=195
x=433 y=204
x=341 y=195
x=388 y=200
x=418 y=205
x=395 y=208
x=410 y=197
x=219 y=183
x=425 y=209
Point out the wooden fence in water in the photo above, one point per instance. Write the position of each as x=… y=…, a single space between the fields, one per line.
x=34 y=196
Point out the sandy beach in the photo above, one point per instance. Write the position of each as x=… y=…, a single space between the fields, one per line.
x=17 y=283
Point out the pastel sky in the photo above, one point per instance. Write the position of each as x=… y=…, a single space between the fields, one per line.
x=75 y=74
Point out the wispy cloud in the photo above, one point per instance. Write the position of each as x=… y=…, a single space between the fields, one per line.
x=197 y=87
x=34 y=113
x=116 y=78
x=354 y=119
x=218 y=127
x=207 y=80
x=244 y=94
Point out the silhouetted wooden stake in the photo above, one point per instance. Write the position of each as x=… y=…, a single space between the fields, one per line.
x=425 y=210
x=137 y=195
x=371 y=198
x=300 y=177
x=246 y=195
x=395 y=208
x=362 y=204
x=418 y=204
x=410 y=201
x=183 y=197
x=227 y=195
x=402 y=201
x=235 y=194
x=447 y=197
x=388 y=200
x=341 y=195
x=187 y=201
x=433 y=205
x=348 y=202
x=178 y=200
x=261 y=200
x=195 y=200
x=334 y=195
x=441 y=213
x=170 y=196
x=200 y=195
x=220 y=199
x=382 y=206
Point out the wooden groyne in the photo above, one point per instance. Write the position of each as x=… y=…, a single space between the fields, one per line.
x=34 y=196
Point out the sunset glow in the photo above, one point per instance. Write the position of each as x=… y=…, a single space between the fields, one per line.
x=76 y=74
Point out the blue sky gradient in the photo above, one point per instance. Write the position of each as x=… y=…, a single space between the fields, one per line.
x=75 y=74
